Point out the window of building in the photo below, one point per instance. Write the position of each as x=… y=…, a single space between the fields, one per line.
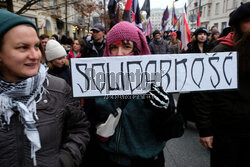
x=204 y=11
x=224 y=6
x=227 y=3
x=217 y=8
x=223 y=25
x=208 y=10
x=52 y=2
x=216 y=24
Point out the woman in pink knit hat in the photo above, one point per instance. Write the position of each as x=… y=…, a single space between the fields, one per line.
x=124 y=36
x=130 y=131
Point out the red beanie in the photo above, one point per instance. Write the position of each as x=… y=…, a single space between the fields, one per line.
x=173 y=34
x=126 y=31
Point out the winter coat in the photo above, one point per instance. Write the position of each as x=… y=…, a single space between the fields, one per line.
x=185 y=102
x=141 y=132
x=63 y=73
x=62 y=127
x=93 y=50
x=158 y=48
x=194 y=48
x=174 y=48
x=71 y=54
x=225 y=112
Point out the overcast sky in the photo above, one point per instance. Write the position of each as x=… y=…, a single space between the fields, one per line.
x=164 y=3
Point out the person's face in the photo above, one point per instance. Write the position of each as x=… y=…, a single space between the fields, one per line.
x=76 y=46
x=20 y=54
x=51 y=38
x=120 y=48
x=173 y=37
x=59 y=62
x=202 y=37
x=44 y=42
x=214 y=28
x=157 y=36
x=245 y=25
x=98 y=35
x=216 y=36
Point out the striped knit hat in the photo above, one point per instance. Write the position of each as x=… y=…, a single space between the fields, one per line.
x=126 y=31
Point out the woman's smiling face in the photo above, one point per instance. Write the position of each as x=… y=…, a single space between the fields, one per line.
x=20 y=54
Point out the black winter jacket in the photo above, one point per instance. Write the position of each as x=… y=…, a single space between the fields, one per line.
x=62 y=127
x=63 y=73
x=226 y=112
x=194 y=48
x=93 y=49
x=185 y=102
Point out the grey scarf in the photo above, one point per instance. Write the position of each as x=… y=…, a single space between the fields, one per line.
x=21 y=96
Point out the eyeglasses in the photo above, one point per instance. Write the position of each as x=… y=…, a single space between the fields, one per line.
x=95 y=31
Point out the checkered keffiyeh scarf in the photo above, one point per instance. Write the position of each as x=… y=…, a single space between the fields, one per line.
x=20 y=97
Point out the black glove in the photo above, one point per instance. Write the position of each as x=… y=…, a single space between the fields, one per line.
x=158 y=98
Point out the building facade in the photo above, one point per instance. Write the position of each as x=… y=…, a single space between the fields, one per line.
x=54 y=16
x=156 y=18
x=212 y=12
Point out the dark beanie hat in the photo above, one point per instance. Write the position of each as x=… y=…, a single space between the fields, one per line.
x=200 y=30
x=215 y=32
x=240 y=14
x=55 y=36
x=156 y=32
x=9 y=20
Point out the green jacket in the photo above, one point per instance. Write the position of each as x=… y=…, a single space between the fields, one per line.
x=140 y=131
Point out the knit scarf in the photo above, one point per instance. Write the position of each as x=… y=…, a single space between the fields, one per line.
x=20 y=97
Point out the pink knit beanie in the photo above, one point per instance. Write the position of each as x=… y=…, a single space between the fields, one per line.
x=126 y=31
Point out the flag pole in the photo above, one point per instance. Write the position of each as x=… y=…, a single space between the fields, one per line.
x=187 y=8
x=105 y=23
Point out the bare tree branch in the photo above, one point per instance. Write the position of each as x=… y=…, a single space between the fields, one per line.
x=27 y=6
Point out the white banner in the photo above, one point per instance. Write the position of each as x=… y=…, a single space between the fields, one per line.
x=132 y=75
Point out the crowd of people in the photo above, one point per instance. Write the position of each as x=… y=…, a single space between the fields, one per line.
x=42 y=124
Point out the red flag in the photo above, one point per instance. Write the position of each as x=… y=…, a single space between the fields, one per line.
x=185 y=33
x=133 y=17
x=127 y=11
x=198 y=20
x=128 y=5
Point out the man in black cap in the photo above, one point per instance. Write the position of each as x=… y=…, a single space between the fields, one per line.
x=223 y=118
x=96 y=45
x=158 y=45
